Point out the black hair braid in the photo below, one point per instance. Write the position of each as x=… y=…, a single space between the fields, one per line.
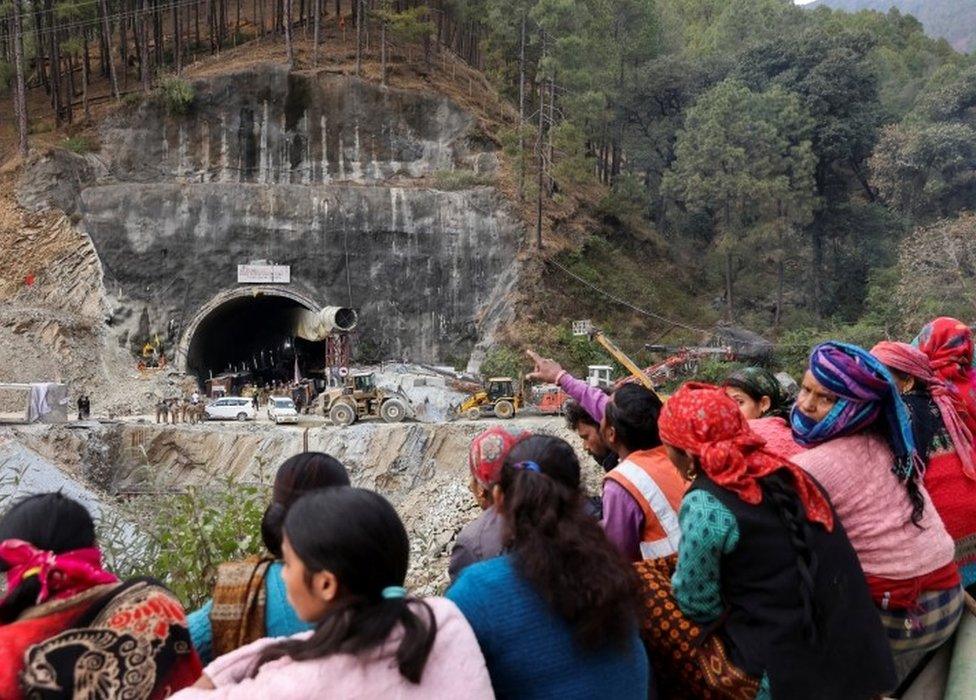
x=800 y=531
x=917 y=500
x=20 y=599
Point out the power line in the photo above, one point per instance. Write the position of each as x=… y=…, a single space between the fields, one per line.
x=622 y=302
x=97 y=21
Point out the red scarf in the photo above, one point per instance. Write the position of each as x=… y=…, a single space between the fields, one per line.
x=948 y=343
x=912 y=361
x=61 y=575
x=703 y=420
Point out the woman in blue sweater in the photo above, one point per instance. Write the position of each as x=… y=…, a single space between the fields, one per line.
x=556 y=616
x=249 y=600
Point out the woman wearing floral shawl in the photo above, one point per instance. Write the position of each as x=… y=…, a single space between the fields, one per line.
x=68 y=627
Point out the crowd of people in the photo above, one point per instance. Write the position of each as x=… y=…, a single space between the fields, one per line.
x=745 y=545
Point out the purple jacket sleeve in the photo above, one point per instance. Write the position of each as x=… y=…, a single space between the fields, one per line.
x=591 y=398
x=623 y=520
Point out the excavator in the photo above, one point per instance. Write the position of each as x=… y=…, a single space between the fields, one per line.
x=499 y=397
x=586 y=328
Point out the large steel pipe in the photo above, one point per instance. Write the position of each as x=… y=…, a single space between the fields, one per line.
x=316 y=326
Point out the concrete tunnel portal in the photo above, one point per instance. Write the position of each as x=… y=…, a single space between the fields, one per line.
x=257 y=330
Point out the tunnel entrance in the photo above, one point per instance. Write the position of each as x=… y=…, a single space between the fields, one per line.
x=250 y=332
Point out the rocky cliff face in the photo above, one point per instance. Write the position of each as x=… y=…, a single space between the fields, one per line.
x=327 y=174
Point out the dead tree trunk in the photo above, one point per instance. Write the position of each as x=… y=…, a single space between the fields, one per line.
x=521 y=124
x=359 y=37
x=317 y=33
x=539 y=156
x=288 y=46
x=20 y=88
x=144 y=46
x=84 y=81
x=177 y=42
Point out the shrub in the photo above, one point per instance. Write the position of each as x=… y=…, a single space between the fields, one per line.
x=178 y=538
x=194 y=531
x=503 y=361
x=77 y=144
x=177 y=95
x=451 y=180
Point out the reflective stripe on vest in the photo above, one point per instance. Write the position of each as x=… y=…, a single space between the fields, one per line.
x=655 y=502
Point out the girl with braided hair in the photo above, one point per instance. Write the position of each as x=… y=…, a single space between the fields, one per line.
x=862 y=451
x=766 y=597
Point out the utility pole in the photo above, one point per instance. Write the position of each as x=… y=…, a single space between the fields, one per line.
x=108 y=49
x=20 y=89
x=521 y=124
x=359 y=37
x=539 y=151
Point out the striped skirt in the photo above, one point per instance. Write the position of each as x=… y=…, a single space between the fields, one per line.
x=928 y=625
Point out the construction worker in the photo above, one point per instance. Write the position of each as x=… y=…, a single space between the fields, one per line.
x=162 y=411
x=84 y=407
x=642 y=494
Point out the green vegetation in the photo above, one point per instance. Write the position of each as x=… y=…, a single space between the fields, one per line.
x=451 y=180
x=759 y=161
x=952 y=20
x=177 y=94
x=179 y=538
x=194 y=531
x=503 y=361
x=78 y=144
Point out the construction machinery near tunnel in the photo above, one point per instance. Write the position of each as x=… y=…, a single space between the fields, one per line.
x=360 y=398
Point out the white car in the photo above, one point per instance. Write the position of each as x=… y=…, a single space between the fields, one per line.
x=231 y=408
x=282 y=410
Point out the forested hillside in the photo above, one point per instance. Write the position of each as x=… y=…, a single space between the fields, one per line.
x=782 y=154
x=952 y=20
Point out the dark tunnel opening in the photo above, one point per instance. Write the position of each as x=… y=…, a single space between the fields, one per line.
x=253 y=336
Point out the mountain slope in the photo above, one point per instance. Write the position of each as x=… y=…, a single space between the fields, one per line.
x=952 y=20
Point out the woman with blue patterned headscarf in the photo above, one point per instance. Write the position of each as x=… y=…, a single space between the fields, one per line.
x=851 y=416
x=864 y=390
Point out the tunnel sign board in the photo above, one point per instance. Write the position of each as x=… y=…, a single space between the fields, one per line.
x=263 y=274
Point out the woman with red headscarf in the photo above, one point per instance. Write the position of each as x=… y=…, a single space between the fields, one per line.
x=943 y=431
x=948 y=343
x=767 y=598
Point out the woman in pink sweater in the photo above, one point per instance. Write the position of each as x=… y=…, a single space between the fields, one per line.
x=850 y=414
x=345 y=560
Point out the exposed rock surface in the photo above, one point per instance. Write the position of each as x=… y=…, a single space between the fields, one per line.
x=330 y=175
